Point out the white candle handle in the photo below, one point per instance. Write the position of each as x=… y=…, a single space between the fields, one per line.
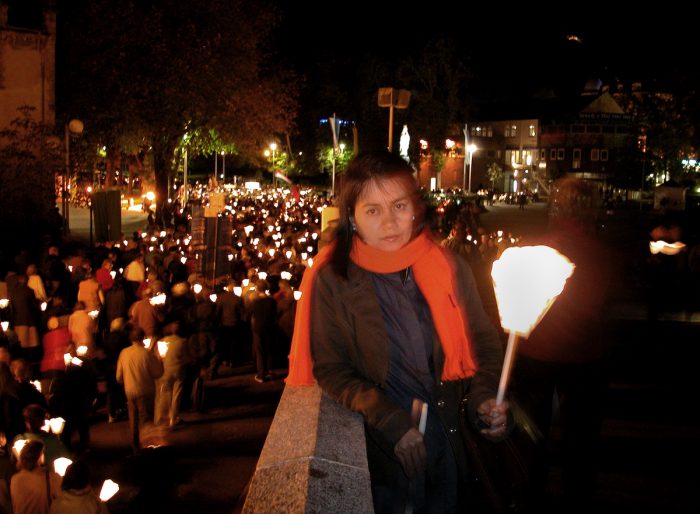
x=507 y=367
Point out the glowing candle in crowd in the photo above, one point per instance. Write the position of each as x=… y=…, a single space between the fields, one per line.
x=286 y=275
x=245 y=282
x=229 y=257
x=288 y=254
x=109 y=489
x=147 y=343
x=5 y=325
x=526 y=281
x=297 y=295
x=158 y=299
x=310 y=262
x=94 y=314
x=4 y=302
x=70 y=268
x=56 y=425
x=17 y=447
x=212 y=297
x=76 y=362
x=238 y=291
x=67 y=357
x=162 y=233
x=197 y=288
x=183 y=260
x=303 y=256
x=248 y=229
x=262 y=275
x=46 y=427
x=36 y=384
x=665 y=248
x=61 y=464
x=162 y=348
x=43 y=306
x=113 y=274
x=271 y=251
x=309 y=249
x=81 y=350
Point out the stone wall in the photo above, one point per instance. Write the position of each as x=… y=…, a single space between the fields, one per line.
x=314 y=459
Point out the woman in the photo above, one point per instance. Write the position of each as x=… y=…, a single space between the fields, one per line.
x=77 y=496
x=394 y=320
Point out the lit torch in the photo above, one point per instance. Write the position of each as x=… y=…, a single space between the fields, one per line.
x=526 y=281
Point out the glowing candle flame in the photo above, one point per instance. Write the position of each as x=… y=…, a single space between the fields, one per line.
x=36 y=384
x=162 y=233
x=61 y=464
x=94 y=314
x=162 y=348
x=286 y=275
x=314 y=236
x=113 y=274
x=158 y=299
x=17 y=447
x=43 y=306
x=271 y=251
x=76 y=362
x=70 y=268
x=248 y=229
x=46 y=427
x=665 y=248
x=304 y=255
x=147 y=343
x=81 y=350
x=212 y=297
x=238 y=291
x=56 y=425
x=527 y=280
x=5 y=325
x=245 y=282
x=67 y=357
x=310 y=262
x=297 y=295
x=4 y=302
x=229 y=257
x=262 y=275
x=183 y=260
x=197 y=288
x=288 y=253
x=109 y=489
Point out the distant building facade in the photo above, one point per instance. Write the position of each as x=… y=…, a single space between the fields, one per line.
x=27 y=69
x=547 y=140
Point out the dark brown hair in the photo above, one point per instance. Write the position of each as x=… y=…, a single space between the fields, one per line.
x=363 y=169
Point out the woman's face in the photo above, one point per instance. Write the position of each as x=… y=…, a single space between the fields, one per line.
x=384 y=215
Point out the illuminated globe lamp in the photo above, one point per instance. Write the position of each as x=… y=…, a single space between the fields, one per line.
x=527 y=280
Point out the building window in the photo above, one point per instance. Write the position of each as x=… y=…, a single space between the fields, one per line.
x=576 y=164
x=533 y=132
x=481 y=131
x=511 y=131
x=603 y=155
x=560 y=154
x=543 y=155
x=595 y=154
x=553 y=154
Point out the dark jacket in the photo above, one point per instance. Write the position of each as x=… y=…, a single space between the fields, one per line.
x=350 y=349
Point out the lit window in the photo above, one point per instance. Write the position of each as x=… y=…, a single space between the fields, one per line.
x=576 y=164
x=595 y=154
x=533 y=133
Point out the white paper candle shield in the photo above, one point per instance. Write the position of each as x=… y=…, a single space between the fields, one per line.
x=61 y=464
x=526 y=282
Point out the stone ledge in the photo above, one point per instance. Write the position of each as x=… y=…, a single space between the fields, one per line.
x=314 y=459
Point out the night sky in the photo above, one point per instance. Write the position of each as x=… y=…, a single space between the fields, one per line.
x=507 y=49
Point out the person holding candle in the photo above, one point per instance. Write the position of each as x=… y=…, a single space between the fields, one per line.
x=386 y=317
x=563 y=361
x=33 y=488
x=77 y=497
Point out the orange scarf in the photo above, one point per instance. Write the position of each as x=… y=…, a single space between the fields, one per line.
x=434 y=276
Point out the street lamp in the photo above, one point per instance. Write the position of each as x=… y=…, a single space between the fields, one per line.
x=472 y=148
x=273 y=147
x=74 y=126
x=223 y=165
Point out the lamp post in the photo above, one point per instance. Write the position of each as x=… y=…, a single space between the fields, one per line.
x=472 y=148
x=223 y=165
x=273 y=147
x=74 y=126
